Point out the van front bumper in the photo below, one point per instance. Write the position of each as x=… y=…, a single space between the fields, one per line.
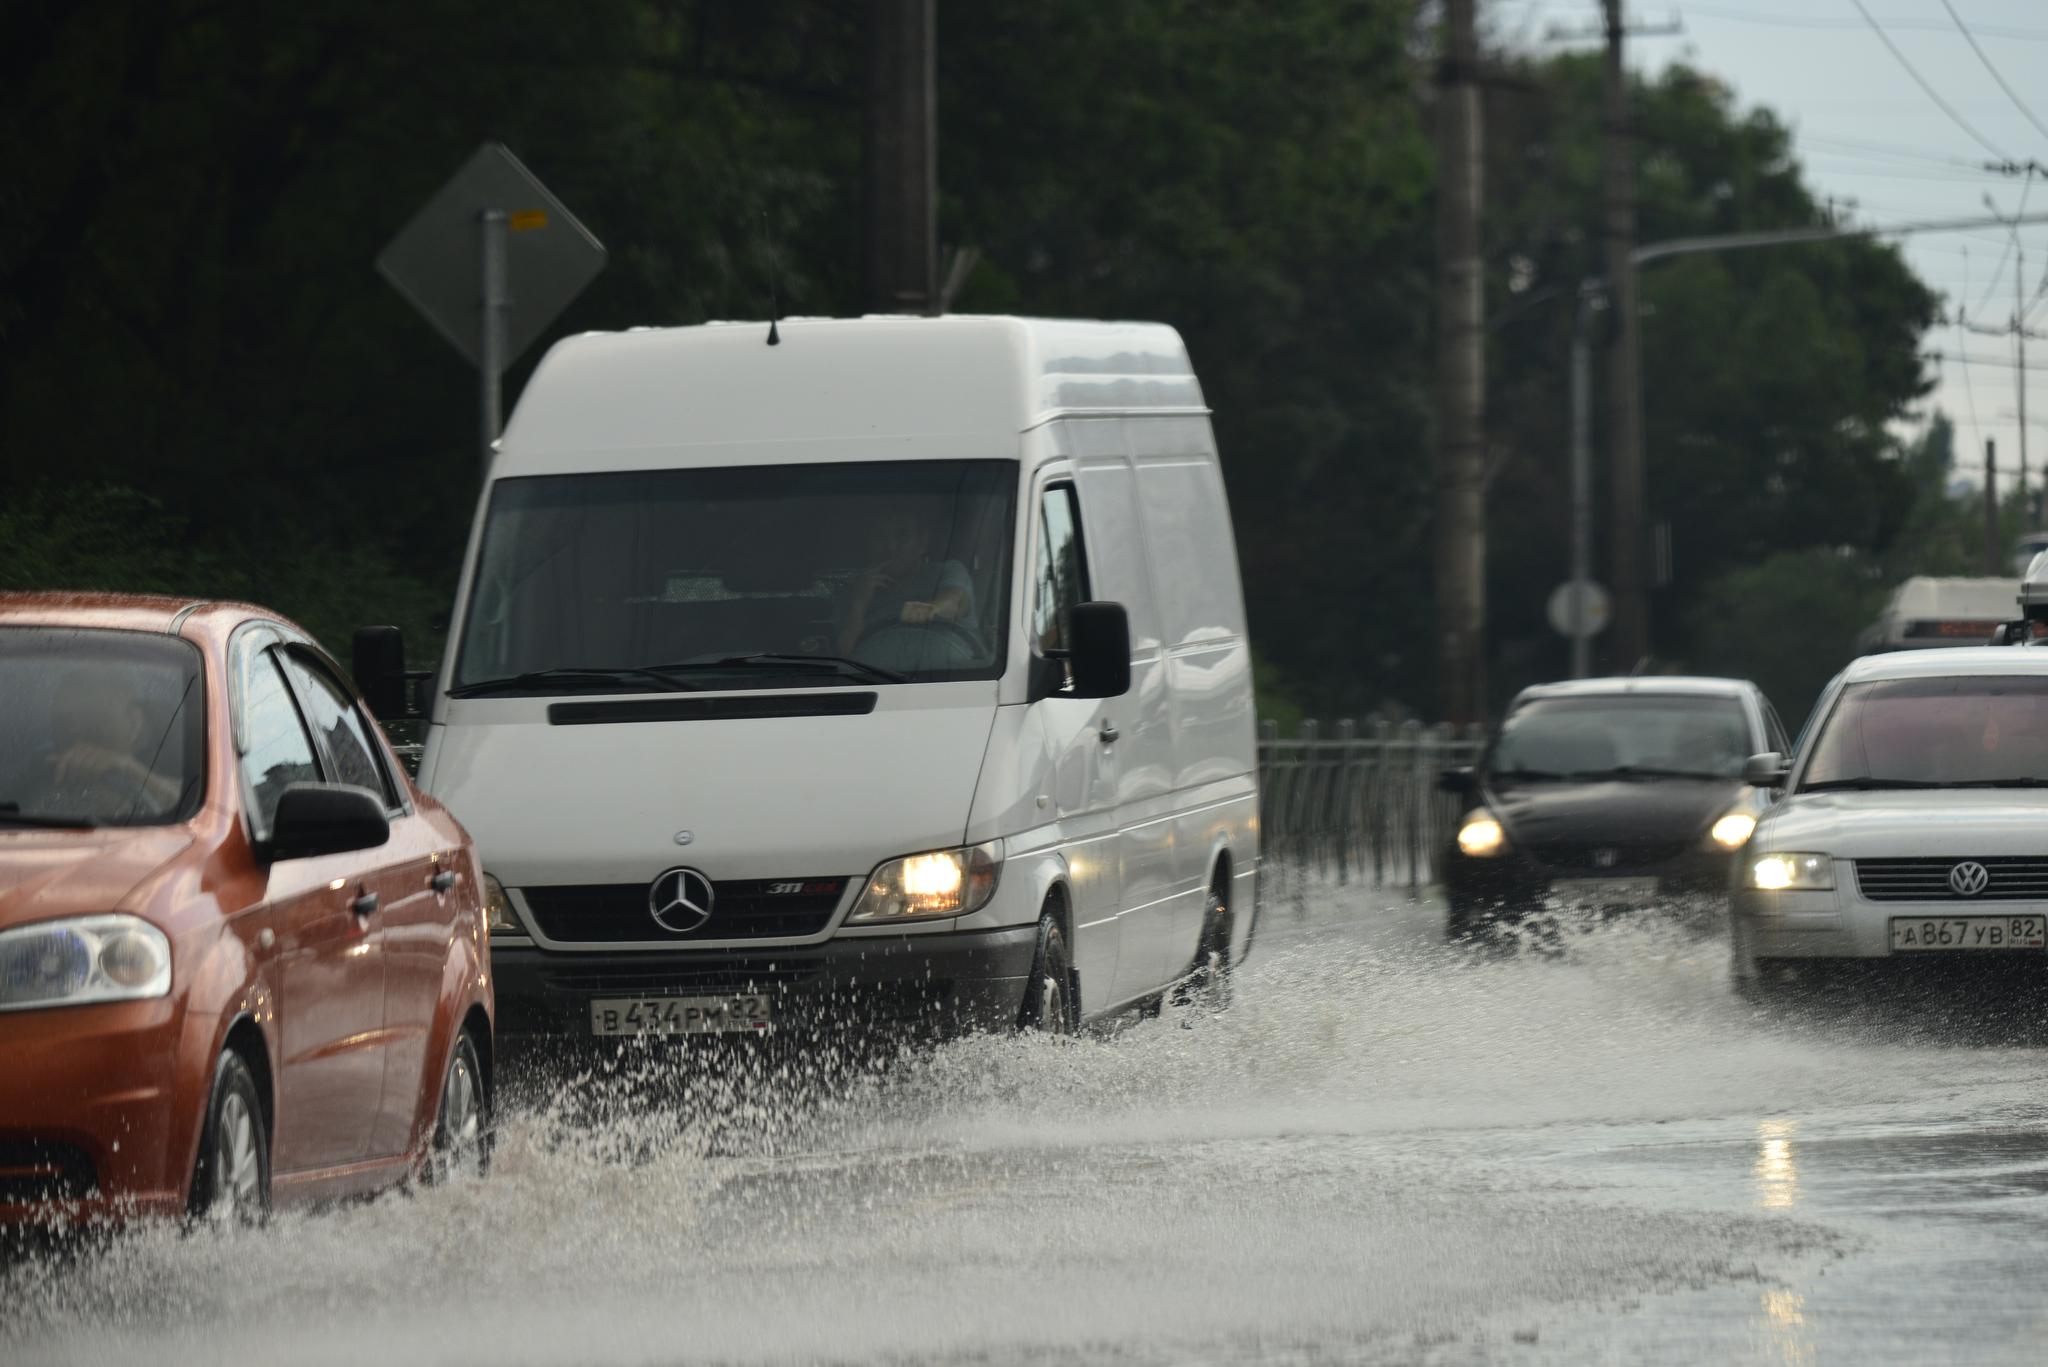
x=937 y=982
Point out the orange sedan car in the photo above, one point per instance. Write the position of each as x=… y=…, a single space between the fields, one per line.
x=241 y=956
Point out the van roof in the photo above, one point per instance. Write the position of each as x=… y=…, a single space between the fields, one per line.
x=906 y=387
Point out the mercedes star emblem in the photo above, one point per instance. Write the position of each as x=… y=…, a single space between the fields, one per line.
x=1968 y=878
x=680 y=900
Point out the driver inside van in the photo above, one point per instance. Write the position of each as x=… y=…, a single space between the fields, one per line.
x=902 y=584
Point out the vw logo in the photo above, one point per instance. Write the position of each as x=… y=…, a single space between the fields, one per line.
x=680 y=900
x=1968 y=878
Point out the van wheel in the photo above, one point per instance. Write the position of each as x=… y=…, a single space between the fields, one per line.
x=231 y=1181
x=462 y=1129
x=1207 y=984
x=1049 y=1003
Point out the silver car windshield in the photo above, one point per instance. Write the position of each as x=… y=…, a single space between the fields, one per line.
x=99 y=728
x=741 y=577
x=1982 y=731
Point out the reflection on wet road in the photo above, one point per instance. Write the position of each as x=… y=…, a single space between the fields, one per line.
x=1387 y=1151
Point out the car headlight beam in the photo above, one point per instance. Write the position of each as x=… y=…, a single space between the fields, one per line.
x=936 y=883
x=1792 y=873
x=81 y=960
x=1481 y=837
x=1732 y=831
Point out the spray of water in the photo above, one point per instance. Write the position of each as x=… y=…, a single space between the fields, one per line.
x=1370 y=1156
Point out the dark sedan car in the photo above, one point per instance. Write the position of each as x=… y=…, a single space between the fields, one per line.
x=1607 y=793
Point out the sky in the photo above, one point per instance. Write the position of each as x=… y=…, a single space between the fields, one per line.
x=1870 y=135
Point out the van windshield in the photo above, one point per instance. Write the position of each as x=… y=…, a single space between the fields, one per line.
x=740 y=577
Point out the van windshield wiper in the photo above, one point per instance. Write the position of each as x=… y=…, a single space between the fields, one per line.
x=1529 y=775
x=1651 y=771
x=837 y=664
x=1827 y=785
x=2002 y=783
x=575 y=676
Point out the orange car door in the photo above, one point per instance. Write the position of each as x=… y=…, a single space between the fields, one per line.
x=330 y=971
x=413 y=916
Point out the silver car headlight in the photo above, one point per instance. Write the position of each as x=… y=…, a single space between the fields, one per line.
x=1792 y=873
x=936 y=883
x=83 y=959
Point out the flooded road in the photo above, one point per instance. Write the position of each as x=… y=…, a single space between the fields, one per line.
x=1386 y=1151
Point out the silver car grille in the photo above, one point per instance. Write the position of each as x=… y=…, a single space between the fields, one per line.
x=2009 y=878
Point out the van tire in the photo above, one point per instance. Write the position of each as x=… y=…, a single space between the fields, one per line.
x=1207 y=984
x=1050 y=1004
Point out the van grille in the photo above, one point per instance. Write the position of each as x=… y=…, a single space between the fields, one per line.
x=2013 y=878
x=752 y=909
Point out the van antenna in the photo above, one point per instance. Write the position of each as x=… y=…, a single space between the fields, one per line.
x=774 y=313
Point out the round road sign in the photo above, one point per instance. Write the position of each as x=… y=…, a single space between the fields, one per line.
x=1579 y=608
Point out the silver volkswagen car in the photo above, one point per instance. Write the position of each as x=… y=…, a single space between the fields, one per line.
x=1911 y=837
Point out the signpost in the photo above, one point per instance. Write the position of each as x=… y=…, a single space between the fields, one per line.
x=1580 y=610
x=491 y=229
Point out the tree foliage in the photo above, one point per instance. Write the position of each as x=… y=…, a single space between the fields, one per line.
x=188 y=313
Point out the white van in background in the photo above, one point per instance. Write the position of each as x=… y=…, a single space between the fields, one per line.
x=889 y=669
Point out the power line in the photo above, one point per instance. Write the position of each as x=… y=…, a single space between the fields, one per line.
x=2033 y=35
x=2011 y=243
x=1975 y=47
x=1932 y=93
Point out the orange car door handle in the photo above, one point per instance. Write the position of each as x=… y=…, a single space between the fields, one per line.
x=366 y=905
x=443 y=880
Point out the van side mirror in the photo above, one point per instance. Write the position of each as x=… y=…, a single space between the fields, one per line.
x=377 y=659
x=326 y=818
x=1459 y=779
x=1099 y=661
x=1768 y=770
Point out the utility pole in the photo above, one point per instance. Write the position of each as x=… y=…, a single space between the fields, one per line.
x=1460 y=377
x=1624 y=416
x=2019 y=370
x=902 y=157
x=1992 y=559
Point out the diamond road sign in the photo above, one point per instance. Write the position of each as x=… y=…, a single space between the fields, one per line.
x=437 y=260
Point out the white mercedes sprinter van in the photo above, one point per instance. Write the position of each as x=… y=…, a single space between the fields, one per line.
x=882 y=670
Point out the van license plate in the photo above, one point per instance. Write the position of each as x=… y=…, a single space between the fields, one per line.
x=746 y=1011
x=1967 y=932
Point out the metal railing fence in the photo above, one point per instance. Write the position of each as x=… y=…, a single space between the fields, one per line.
x=1360 y=807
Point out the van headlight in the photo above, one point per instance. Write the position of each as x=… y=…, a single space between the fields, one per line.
x=1480 y=837
x=499 y=918
x=937 y=883
x=1732 y=831
x=1792 y=873
x=111 y=958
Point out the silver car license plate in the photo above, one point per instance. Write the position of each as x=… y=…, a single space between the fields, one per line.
x=740 y=1011
x=1913 y=935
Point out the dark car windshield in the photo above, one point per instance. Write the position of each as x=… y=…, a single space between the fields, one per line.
x=99 y=728
x=1963 y=731
x=1652 y=735
x=741 y=577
